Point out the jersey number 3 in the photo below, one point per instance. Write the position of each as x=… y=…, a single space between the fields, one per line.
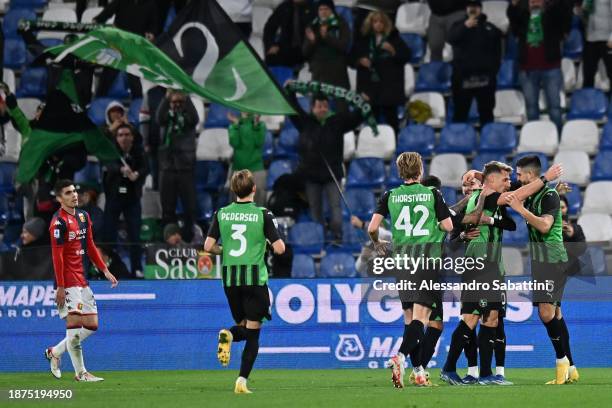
x=403 y=221
x=238 y=231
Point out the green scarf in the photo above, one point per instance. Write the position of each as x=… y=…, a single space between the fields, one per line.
x=176 y=125
x=375 y=52
x=332 y=22
x=535 y=32
x=588 y=7
x=353 y=99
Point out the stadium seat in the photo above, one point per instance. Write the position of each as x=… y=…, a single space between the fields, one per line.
x=371 y=145
x=512 y=46
x=602 y=166
x=580 y=134
x=119 y=87
x=15 y=54
x=345 y=3
x=520 y=237
x=30 y=4
x=29 y=106
x=258 y=45
x=601 y=77
x=497 y=138
x=33 y=83
x=457 y=138
x=574 y=198
x=57 y=14
x=434 y=77
x=435 y=101
x=409 y=78
x=260 y=17
x=596 y=227
x=281 y=74
x=513 y=260
x=507 y=77
x=302 y=266
x=134 y=111
x=92 y=172
x=213 y=144
x=416 y=43
x=349 y=146
x=151 y=204
x=11 y=21
x=306 y=238
x=209 y=175
x=496 y=14
x=51 y=42
x=352 y=75
x=543 y=106
x=205 y=206
x=447 y=53
x=606 y=137
x=576 y=166
x=481 y=159
x=366 y=172
x=572 y=47
x=393 y=179
x=198 y=104
x=273 y=122
x=598 y=198
x=217 y=116
x=450 y=195
x=413 y=18
x=588 y=103
x=538 y=136
x=286 y=147
x=449 y=167
x=541 y=156
x=7 y=177
x=361 y=201
x=277 y=169
x=97 y=110
x=569 y=75
x=353 y=238
x=268 y=146
x=8 y=77
x=91 y=12
x=347 y=14
x=12 y=144
x=509 y=107
x=416 y=138
x=596 y=263
x=338 y=265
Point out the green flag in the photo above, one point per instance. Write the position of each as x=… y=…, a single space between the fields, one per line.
x=62 y=123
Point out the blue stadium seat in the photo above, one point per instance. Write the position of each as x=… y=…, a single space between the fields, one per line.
x=366 y=172
x=602 y=166
x=210 y=175
x=134 y=111
x=575 y=200
x=416 y=138
x=353 y=238
x=594 y=261
x=303 y=266
x=11 y=235
x=606 y=137
x=450 y=195
x=97 y=110
x=30 y=4
x=588 y=103
x=361 y=202
x=511 y=47
x=11 y=21
x=306 y=238
x=268 y=146
x=542 y=156
x=277 y=169
x=7 y=176
x=92 y=172
x=338 y=265
x=498 y=137
x=457 y=138
x=434 y=77
x=15 y=54
x=217 y=116
x=393 y=179
x=507 y=77
x=281 y=74
x=119 y=88
x=417 y=46
x=347 y=15
x=51 y=42
x=481 y=159
x=205 y=206
x=11 y=207
x=286 y=147
x=170 y=18
x=520 y=237
x=33 y=83
x=572 y=47
x=304 y=103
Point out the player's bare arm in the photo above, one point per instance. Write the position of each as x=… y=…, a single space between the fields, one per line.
x=543 y=223
x=210 y=245
x=278 y=246
x=474 y=216
x=379 y=245
x=554 y=172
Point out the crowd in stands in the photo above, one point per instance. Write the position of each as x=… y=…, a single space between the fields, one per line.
x=460 y=81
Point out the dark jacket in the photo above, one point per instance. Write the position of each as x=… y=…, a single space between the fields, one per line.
x=280 y=30
x=476 y=50
x=387 y=68
x=318 y=140
x=118 y=187
x=556 y=23
x=446 y=7
x=575 y=247
x=135 y=16
x=177 y=150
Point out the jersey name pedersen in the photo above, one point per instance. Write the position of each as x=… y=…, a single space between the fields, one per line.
x=242 y=217
x=411 y=198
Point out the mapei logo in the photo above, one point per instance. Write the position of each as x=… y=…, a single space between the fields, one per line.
x=71 y=235
x=349 y=348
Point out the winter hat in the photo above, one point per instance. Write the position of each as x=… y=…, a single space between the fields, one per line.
x=170 y=230
x=35 y=226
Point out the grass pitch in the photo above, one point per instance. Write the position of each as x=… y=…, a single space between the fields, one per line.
x=309 y=388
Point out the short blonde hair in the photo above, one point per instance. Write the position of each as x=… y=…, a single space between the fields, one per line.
x=242 y=183
x=366 y=28
x=409 y=165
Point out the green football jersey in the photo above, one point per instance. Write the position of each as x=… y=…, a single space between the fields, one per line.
x=488 y=243
x=547 y=248
x=242 y=229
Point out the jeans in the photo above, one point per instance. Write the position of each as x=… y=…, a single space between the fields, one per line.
x=551 y=81
x=132 y=214
x=314 y=195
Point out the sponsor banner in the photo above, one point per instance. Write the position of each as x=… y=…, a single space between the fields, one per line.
x=317 y=323
x=182 y=262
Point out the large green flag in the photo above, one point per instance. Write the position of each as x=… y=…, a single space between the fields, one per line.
x=236 y=80
x=62 y=123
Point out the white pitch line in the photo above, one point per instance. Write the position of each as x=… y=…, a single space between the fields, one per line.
x=294 y=350
x=517 y=347
x=125 y=296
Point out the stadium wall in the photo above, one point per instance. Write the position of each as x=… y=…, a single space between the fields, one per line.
x=317 y=323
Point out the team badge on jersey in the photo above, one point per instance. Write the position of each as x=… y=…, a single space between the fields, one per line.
x=80 y=306
x=56 y=233
x=82 y=217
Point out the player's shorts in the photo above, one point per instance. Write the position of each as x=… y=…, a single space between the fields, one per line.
x=437 y=309
x=481 y=302
x=249 y=302
x=553 y=272
x=79 y=301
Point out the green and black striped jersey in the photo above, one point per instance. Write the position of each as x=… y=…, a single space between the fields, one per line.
x=549 y=247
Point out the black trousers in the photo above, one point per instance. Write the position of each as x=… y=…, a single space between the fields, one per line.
x=175 y=184
x=462 y=100
x=389 y=113
x=593 y=52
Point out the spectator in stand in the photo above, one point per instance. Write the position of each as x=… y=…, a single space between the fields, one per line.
x=363 y=8
x=247 y=135
x=381 y=55
x=326 y=48
x=444 y=14
x=33 y=254
x=149 y=129
x=114 y=263
x=116 y=115
x=172 y=236
x=88 y=201
x=33 y=232
x=283 y=34
x=177 y=119
x=541 y=27
x=320 y=149
x=363 y=264
x=123 y=183
x=476 y=60
x=573 y=238
x=598 y=38
x=138 y=17
x=241 y=13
